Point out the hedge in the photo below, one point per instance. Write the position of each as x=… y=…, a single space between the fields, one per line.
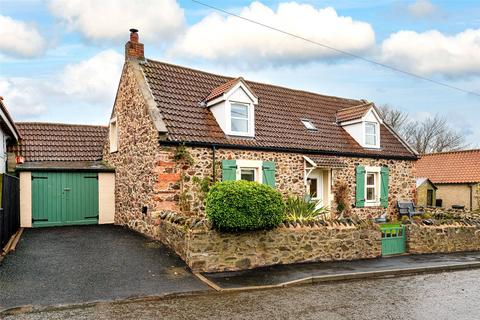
x=244 y=205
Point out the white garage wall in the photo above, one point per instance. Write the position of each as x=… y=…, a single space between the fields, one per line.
x=26 y=199
x=106 y=197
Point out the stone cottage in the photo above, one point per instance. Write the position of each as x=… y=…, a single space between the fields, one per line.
x=173 y=129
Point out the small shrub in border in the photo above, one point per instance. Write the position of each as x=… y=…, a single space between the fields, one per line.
x=244 y=205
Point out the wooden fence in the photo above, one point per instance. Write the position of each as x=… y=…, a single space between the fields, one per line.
x=9 y=207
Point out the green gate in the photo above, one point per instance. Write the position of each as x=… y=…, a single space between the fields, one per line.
x=393 y=239
x=64 y=198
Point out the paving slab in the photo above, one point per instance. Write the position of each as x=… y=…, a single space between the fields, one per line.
x=282 y=275
x=79 y=264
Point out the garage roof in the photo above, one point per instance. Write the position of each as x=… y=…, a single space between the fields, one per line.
x=60 y=142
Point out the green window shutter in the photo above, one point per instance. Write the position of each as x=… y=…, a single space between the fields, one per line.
x=384 y=187
x=269 y=173
x=229 y=170
x=360 y=187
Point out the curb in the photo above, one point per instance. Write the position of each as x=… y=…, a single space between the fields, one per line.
x=217 y=289
x=348 y=276
x=59 y=307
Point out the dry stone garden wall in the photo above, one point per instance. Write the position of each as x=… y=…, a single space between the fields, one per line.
x=444 y=238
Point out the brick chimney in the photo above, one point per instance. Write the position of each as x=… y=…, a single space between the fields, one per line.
x=133 y=48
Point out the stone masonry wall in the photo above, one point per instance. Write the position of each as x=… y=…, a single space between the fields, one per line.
x=290 y=175
x=143 y=177
x=207 y=250
x=454 y=237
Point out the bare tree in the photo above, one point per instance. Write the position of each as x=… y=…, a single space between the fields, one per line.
x=395 y=118
x=431 y=134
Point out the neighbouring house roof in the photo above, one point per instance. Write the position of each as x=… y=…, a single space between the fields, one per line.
x=420 y=181
x=353 y=113
x=180 y=95
x=6 y=122
x=450 y=167
x=60 y=142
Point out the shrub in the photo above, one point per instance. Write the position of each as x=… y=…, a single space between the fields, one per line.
x=300 y=208
x=244 y=205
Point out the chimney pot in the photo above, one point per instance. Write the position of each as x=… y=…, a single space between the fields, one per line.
x=134 y=35
x=133 y=48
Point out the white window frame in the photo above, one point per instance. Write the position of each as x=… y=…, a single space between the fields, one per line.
x=257 y=165
x=375 y=135
x=377 y=176
x=113 y=136
x=250 y=119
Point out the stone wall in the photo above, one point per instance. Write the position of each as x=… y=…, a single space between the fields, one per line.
x=444 y=238
x=289 y=176
x=457 y=194
x=139 y=161
x=207 y=250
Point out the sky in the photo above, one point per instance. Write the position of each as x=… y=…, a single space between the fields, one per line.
x=60 y=60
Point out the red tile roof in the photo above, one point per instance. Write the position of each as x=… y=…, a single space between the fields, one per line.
x=352 y=113
x=450 y=167
x=180 y=95
x=221 y=89
x=61 y=142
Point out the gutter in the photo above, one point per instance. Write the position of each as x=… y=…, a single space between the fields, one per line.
x=288 y=150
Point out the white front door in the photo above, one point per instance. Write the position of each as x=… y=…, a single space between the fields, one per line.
x=315 y=186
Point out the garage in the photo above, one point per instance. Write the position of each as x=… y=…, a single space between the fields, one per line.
x=63 y=180
x=64 y=198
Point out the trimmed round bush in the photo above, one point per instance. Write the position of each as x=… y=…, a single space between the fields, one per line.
x=244 y=205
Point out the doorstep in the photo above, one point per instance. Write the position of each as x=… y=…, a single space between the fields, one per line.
x=285 y=275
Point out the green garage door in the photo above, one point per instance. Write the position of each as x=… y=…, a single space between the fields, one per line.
x=64 y=198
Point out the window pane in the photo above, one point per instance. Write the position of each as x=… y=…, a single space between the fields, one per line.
x=370 y=128
x=313 y=188
x=239 y=125
x=239 y=111
x=370 y=193
x=370 y=140
x=247 y=174
x=370 y=179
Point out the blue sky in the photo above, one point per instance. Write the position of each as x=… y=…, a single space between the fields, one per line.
x=60 y=60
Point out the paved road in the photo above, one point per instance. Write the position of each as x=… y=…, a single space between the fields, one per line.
x=453 y=295
x=89 y=263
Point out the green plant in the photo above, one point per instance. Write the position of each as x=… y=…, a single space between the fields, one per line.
x=427 y=215
x=301 y=208
x=182 y=155
x=244 y=205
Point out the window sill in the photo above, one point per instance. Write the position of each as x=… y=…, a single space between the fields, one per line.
x=373 y=204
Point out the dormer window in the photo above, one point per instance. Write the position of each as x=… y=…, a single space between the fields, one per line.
x=362 y=122
x=233 y=106
x=371 y=134
x=239 y=118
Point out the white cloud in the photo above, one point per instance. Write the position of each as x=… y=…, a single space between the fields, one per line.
x=90 y=83
x=23 y=97
x=422 y=8
x=228 y=38
x=432 y=52
x=111 y=19
x=95 y=79
x=19 y=38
